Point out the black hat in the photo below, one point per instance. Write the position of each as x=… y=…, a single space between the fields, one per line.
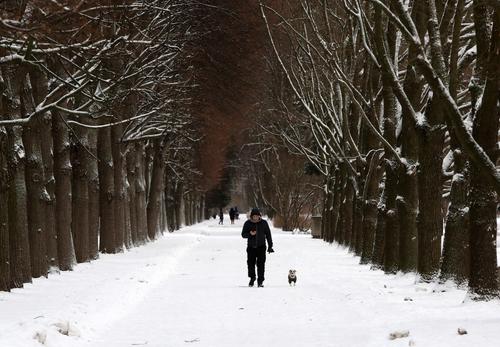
x=255 y=211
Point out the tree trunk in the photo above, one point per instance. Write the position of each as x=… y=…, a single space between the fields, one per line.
x=407 y=201
x=140 y=193
x=35 y=188
x=80 y=198
x=187 y=209
x=335 y=210
x=370 y=201
x=63 y=192
x=155 y=190
x=456 y=249
x=407 y=206
x=40 y=90
x=50 y=201
x=348 y=209
x=379 y=244
x=357 y=226
x=169 y=199
x=20 y=264
x=148 y=165
x=391 y=239
x=106 y=192
x=128 y=217
x=4 y=215
x=93 y=192
x=132 y=196
x=385 y=40
x=339 y=229
x=431 y=143
x=19 y=252
x=119 y=186
x=203 y=214
x=327 y=202
x=483 y=198
x=430 y=219
x=179 y=201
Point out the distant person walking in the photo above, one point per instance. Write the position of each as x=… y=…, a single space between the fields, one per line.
x=257 y=231
x=231 y=215
x=221 y=217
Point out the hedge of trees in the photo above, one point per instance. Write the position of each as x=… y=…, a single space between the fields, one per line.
x=395 y=103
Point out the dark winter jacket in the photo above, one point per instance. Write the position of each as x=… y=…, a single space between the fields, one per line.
x=263 y=233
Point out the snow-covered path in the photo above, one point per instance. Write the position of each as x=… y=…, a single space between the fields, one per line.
x=190 y=289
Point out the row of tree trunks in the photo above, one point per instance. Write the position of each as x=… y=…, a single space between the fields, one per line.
x=451 y=80
x=194 y=210
x=78 y=175
x=75 y=194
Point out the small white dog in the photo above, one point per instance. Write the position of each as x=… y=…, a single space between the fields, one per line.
x=292 y=277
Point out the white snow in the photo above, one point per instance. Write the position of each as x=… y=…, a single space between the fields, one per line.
x=421 y=119
x=189 y=288
x=447 y=161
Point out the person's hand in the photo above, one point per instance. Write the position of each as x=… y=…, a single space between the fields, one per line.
x=253 y=232
x=270 y=250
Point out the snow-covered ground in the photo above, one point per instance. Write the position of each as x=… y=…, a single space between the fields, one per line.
x=190 y=288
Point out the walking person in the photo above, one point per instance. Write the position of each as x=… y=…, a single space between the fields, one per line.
x=231 y=215
x=257 y=231
x=221 y=217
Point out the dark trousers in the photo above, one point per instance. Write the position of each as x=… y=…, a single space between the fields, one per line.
x=256 y=256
